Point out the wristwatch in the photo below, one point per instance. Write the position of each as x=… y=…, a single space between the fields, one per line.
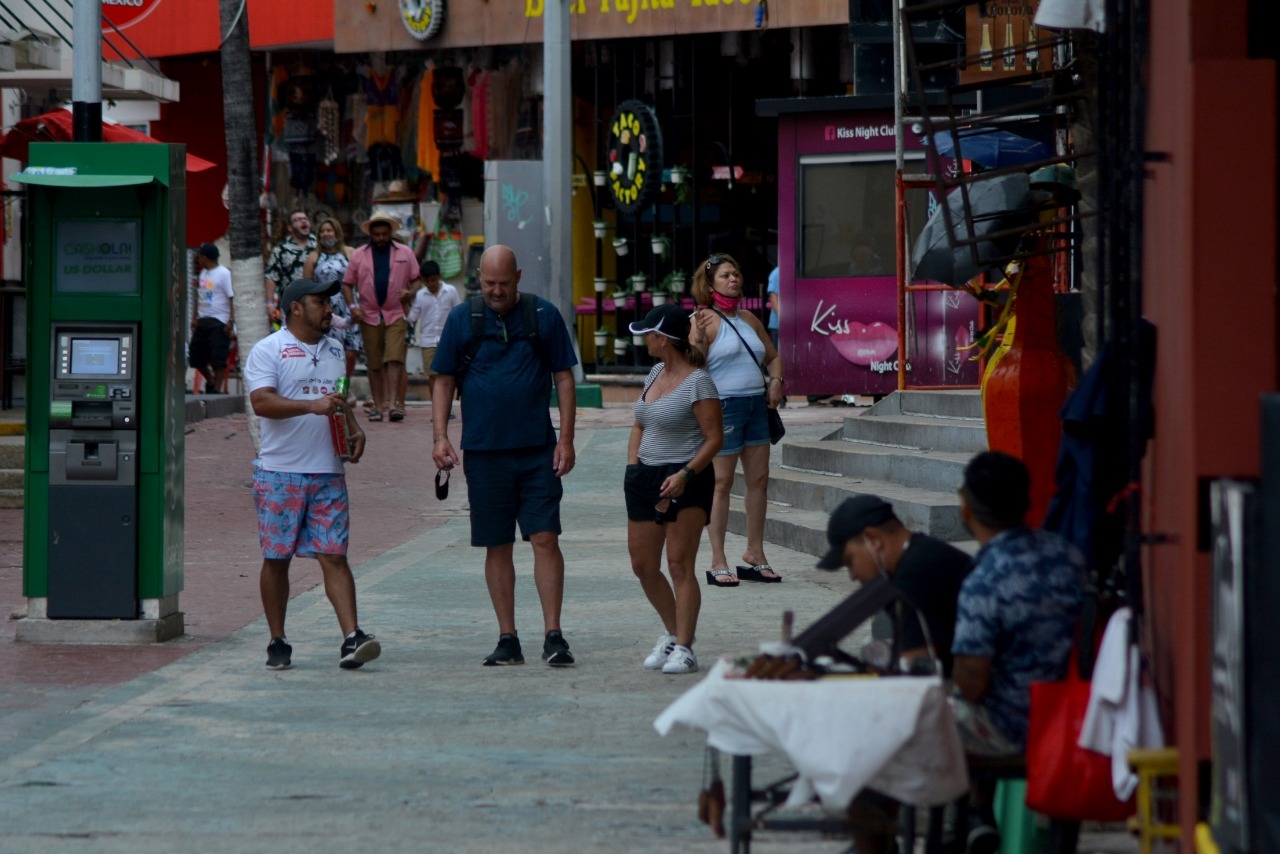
x=687 y=473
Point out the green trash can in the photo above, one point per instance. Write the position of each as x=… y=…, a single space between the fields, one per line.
x=1020 y=830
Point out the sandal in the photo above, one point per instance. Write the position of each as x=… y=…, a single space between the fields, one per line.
x=721 y=578
x=756 y=573
x=375 y=414
x=397 y=414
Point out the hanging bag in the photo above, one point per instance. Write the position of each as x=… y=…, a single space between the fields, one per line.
x=1064 y=780
x=776 y=428
x=446 y=248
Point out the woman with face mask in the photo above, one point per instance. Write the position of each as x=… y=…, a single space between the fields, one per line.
x=738 y=349
x=327 y=263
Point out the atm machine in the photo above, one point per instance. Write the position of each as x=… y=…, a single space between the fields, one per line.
x=107 y=313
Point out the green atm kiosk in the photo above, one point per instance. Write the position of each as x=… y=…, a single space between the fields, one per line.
x=106 y=290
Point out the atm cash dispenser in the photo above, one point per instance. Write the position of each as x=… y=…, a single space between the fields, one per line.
x=107 y=312
x=93 y=472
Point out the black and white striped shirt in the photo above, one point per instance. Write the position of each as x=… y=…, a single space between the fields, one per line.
x=671 y=431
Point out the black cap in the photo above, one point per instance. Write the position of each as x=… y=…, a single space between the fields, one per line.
x=849 y=520
x=667 y=319
x=209 y=251
x=299 y=288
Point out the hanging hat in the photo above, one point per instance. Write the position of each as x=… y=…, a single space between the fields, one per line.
x=381 y=217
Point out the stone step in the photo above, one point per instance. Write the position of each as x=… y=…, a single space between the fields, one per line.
x=960 y=403
x=924 y=510
x=11 y=498
x=13 y=452
x=937 y=470
x=953 y=435
x=12 y=478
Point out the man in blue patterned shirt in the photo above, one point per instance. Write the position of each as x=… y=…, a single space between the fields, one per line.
x=1017 y=614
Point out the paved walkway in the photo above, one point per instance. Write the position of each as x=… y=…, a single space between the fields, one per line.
x=195 y=745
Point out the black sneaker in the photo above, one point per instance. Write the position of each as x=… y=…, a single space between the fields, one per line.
x=358 y=649
x=507 y=652
x=279 y=654
x=982 y=839
x=555 y=650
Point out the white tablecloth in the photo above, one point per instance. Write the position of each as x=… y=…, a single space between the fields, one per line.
x=895 y=735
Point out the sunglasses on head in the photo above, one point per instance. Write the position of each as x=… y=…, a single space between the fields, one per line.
x=715 y=261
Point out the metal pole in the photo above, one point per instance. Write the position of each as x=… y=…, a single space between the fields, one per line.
x=86 y=72
x=899 y=217
x=557 y=157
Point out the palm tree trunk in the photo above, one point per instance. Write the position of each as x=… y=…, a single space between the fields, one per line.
x=1084 y=120
x=242 y=185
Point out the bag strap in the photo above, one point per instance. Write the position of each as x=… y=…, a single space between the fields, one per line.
x=529 y=305
x=725 y=322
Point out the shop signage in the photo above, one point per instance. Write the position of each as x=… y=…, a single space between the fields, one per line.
x=635 y=156
x=124 y=13
x=1002 y=34
x=422 y=18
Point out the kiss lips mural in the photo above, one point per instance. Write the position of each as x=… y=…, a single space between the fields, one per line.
x=865 y=343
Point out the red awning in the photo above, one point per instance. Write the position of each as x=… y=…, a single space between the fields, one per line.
x=184 y=27
x=55 y=126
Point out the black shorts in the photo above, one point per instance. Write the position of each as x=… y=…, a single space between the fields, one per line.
x=210 y=344
x=506 y=487
x=642 y=486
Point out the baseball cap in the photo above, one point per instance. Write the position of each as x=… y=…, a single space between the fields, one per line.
x=669 y=320
x=299 y=288
x=209 y=251
x=849 y=520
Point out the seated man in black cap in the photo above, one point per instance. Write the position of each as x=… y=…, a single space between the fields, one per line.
x=868 y=539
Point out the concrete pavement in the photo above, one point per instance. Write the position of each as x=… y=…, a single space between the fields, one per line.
x=196 y=745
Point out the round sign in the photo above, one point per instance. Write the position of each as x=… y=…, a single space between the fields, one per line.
x=422 y=18
x=635 y=156
x=124 y=13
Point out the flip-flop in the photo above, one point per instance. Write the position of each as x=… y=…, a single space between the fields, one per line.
x=753 y=573
x=719 y=578
x=397 y=414
x=375 y=414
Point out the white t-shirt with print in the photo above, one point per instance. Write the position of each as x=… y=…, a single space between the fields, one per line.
x=214 y=294
x=301 y=444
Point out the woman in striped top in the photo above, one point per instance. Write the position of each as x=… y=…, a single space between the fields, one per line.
x=670 y=483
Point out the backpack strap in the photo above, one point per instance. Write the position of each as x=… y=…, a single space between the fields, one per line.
x=476 y=305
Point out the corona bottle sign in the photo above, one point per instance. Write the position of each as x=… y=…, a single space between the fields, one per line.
x=422 y=18
x=124 y=13
x=635 y=156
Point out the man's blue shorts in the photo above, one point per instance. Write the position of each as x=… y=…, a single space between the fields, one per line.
x=300 y=514
x=510 y=486
x=746 y=422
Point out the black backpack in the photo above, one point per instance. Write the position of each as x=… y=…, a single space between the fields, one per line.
x=476 y=304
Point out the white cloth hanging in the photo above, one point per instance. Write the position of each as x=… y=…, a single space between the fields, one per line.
x=1122 y=711
x=1072 y=15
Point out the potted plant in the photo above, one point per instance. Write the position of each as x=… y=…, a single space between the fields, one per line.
x=619 y=299
x=602 y=285
x=601 y=228
x=659 y=297
x=679 y=174
x=620 y=246
x=639 y=281
x=620 y=346
x=660 y=245
x=602 y=339
x=599 y=177
x=674 y=284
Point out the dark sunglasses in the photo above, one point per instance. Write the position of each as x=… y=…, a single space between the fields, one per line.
x=715 y=261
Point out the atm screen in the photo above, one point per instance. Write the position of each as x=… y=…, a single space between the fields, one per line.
x=95 y=356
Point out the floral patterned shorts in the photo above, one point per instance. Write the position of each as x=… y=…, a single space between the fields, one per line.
x=301 y=514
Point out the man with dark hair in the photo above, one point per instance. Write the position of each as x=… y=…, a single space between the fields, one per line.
x=299 y=487
x=868 y=539
x=1015 y=621
x=286 y=261
x=212 y=318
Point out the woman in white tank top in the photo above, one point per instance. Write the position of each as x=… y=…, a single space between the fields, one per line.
x=737 y=348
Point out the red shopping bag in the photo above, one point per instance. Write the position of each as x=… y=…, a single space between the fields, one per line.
x=1065 y=780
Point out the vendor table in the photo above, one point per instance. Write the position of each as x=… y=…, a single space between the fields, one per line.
x=894 y=735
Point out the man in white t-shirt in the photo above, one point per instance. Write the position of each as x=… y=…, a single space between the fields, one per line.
x=431 y=306
x=212 y=314
x=298 y=483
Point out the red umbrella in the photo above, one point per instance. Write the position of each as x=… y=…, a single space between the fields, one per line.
x=55 y=126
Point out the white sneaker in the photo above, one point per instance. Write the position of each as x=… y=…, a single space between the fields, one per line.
x=661 y=652
x=681 y=660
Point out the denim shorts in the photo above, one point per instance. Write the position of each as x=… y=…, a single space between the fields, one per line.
x=301 y=514
x=642 y=485
x=746 y=422
x=506 y=487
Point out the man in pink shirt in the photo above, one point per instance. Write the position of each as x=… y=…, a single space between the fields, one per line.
x=384 y=274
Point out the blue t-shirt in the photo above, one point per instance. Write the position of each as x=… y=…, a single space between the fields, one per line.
x=506 y=397
x=1019 y=607
x=773 y=289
